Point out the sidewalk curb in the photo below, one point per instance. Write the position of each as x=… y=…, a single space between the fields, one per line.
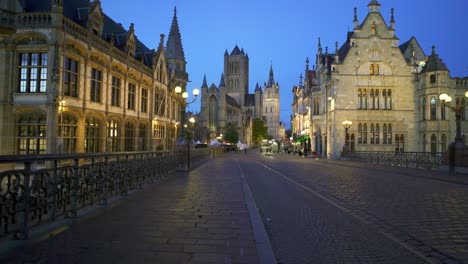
x=265 y=252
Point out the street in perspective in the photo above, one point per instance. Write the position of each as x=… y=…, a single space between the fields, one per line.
x=233 y=132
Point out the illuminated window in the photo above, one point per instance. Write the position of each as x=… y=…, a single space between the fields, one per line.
x=113 y=135
x=33 y=73
x=31 y=137
x=374 y=69
x=92 y=135
x=433 y=108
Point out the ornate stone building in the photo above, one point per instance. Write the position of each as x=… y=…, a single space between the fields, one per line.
x=230 y=104
x=74 y=80
x=389 y=90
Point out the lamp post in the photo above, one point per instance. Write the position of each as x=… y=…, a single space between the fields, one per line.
x=458 y=109
x=183 y=166
x=346 y=125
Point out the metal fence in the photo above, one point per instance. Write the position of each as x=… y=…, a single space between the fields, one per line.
x=425 y=160
x=45 y=188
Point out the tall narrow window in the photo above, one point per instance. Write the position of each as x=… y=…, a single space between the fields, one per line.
x=389 y=134
x=423 y=107
x=129 y=137
x=443 y=143
x=443 y=113
x=113 y=135
x=432 y=78
x=144 y=100
x=360 y=133
x=360 y=99
x=142 y=137
x=377 y=134
x=433 y=144
x=69 y=125
x=385 y=134
x=389 y=99
x=364 y=134
x=33 y=73
x=96 y=83
x=71 y=78
x=31 y=137
x=115 y=99
x=372 y=134
x=433 y=108
x=364 y=95
x=384 y=95
x=372 y=95
x=377 y=99
x=131 y=96
x=92 y=135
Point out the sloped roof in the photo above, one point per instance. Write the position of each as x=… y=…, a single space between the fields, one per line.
x=232 y=102
x=434 y=63
x=77 y=11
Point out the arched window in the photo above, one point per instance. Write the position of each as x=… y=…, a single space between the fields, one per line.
x=31 y=137
x=129 y=136
x=69 y=137
x=113 y=135
x=443 y=144
x=433 y=144
x=364 y=134
x=92 y=135
x=433 y=108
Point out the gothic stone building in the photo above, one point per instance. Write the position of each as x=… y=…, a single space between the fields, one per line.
x=390 y=91
x=230 y=104
x=74 y=80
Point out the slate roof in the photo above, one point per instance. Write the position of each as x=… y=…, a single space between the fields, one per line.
x=77 y=11
x=434 y=63
x=232 y=102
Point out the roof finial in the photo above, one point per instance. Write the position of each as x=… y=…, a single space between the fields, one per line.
x=319 y=46
x=433 y=49
x=355 y=18
x=307 y=63
x=300 y=80
x=392 y=18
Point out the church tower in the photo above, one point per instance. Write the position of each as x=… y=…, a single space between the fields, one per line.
x=236 y=73
x=175 y=55
x=271 y=108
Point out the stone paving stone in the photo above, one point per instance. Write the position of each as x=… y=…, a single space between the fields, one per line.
x=200 y=217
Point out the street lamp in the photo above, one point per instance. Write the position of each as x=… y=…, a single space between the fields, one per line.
x=458 y=109
x=184 y=165
x=346 y=124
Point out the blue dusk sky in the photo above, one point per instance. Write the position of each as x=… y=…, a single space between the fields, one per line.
x=285 y=33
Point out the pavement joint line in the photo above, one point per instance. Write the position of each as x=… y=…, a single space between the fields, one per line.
x=262 y=241
x=418 y=253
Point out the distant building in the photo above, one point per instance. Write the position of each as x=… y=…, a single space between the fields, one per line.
x=74 y=80
x=389 y=91
x=231 y=104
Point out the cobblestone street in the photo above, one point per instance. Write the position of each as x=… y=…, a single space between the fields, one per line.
x=323 y=211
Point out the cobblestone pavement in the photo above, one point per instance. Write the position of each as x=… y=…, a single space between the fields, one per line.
x=199 y=218
x=321 y=211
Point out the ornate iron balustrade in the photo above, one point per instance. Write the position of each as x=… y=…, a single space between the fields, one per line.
x=50 y=187
x=423 y=160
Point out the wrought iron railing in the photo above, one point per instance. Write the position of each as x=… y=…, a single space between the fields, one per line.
x=46 y=188
x=425 y=160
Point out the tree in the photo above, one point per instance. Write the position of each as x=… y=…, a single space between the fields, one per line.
x=260 y=131
x=231 y=134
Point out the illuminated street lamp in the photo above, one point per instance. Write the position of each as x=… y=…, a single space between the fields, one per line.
x=346 y=125
x=458 y=109
x=184 y=165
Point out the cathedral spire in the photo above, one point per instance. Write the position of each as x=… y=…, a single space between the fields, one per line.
x=174 y=48
x=271 y=80
x=204 y=85
x=392 y=19
x=221 y=82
